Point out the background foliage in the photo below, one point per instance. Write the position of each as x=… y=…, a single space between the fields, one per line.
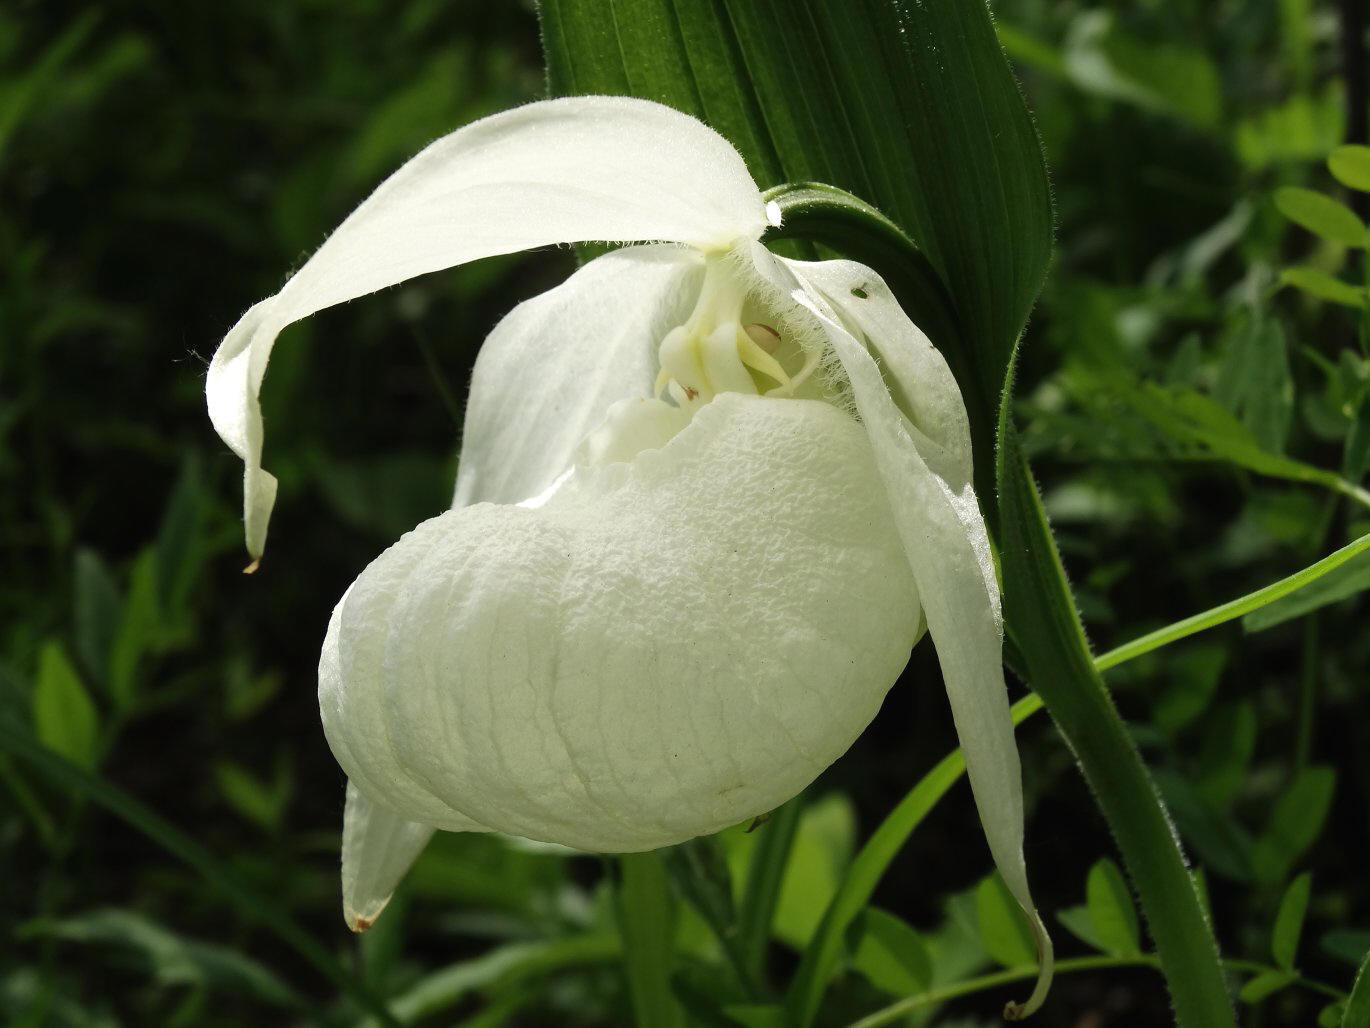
x=1193 y=395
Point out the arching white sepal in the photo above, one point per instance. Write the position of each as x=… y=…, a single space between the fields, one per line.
x=378 y=848
x=559 y=171
x=944 y=537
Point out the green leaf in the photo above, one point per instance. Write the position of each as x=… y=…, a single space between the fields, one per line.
x=171 y=959
x=97 y=612
x=1350 y=165
x=1254 y=382
x=1345 y=580
x=911 y=107
x=137 y=630
x=824 y=948
x=1080 y=924
x=257 y=908
x=1348 y=945
x=1325 y=217
x=1004 y=931
x=1330 y=1016
x=505 y=967
x=1040 y=607
x=1358 y=1003
x=1267 y=983
x=64 y=717
x=1284 y=939
x=1295 y=823
x=262 y=803
x=1356 y=452
x=646 y=922
x=1110 y=909
x=819 y=858
x=1320 y=284
x=890 y=954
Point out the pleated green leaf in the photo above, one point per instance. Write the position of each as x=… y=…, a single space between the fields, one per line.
x=912 y=107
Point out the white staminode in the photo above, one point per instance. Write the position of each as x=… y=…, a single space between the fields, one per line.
x=707 y=499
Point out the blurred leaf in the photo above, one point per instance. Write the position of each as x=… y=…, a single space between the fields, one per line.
x=257 y=908
x=1265 y=984
x=1295 y=823
x=137 y=630
x=1080 y=924
x=1111 y=912
x=171 y=958
x=262 y=803
x=758 y=1015
x=1347 y=945
x=1330 y=1016
x=1356 y=453
x=1225 y=752
x=1302 y=128
x=1217 y=840
x=1341 y=582
x=1350 y=165
x=1004 y=930
x=180 y=550
x=64 y=718
x=890 y=954
x=1357 y=1013
x=1325 y=217
x=1192 y=683
x=98 y=607
x=20 y=94
x=1158 y=76
x=1284 y=938
x=819 y=858
x=1254 y=382
x=508 y=967
x=699 y=871
x=1320 y=284
x=646 y=920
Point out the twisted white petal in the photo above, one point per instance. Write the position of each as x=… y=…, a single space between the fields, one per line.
x=559 y=171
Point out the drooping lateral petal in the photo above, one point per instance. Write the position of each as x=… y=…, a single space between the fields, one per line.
x=944 y=540
x=378 y=847
x=552 y=367
x=557 y=171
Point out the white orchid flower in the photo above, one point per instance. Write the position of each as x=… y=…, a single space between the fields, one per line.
x=707 y=499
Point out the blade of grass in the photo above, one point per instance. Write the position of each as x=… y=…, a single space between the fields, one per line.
x=646 y=921
x=264 y=910
x=764 y=875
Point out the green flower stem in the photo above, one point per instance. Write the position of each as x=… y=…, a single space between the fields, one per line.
x=1039 y=605
x=1232 y=609
x=895 y=1011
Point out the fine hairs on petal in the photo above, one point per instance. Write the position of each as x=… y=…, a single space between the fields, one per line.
x=796 y=323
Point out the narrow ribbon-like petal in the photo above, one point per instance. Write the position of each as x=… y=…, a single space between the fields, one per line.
x=377 y=849
x=944 y=539
x=558 y=171
x=551 y=369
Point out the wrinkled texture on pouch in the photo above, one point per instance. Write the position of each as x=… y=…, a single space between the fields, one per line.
x=666 y=647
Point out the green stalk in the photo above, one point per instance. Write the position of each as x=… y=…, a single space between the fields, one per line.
x=1039 y=604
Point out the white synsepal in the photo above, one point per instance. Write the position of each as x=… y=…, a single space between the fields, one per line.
x=378 y=848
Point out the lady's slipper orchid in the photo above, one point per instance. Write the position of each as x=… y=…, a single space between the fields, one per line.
x=707 y=500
